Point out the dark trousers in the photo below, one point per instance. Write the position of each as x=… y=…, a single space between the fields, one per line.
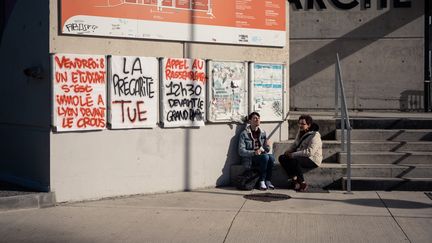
x=264 y=162
x=293 y=166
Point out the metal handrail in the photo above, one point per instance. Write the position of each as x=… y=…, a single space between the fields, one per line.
x=344 y=117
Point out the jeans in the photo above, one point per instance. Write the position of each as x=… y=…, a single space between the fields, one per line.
x=264 y=162
x=293 y=166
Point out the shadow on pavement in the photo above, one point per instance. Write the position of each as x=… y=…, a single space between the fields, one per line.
x=267 y=197
x=371 y=202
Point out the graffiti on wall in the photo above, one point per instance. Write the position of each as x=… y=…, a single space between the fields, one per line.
x=79 y=91
x=134 y=97
x=133 y=92
x=183 y=92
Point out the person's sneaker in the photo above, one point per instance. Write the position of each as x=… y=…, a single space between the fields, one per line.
x=303 y=187
x=262 y=186
x=295 y=184
x=269 y=185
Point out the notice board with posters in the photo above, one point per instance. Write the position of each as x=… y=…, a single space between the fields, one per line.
x=250 y=22
x=267 y=90
x=183 y=92
x=79 y=92
x=227 y=91
x=133 y=92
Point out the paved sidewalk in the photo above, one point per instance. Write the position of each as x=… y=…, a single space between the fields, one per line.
x=227 y=215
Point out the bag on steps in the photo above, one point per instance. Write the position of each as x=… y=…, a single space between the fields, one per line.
x=247 y=180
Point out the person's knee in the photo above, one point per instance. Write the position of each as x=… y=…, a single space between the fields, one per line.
x=271 y=159
x=263 y=157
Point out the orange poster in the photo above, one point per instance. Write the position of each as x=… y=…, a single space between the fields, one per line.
x=247 y=22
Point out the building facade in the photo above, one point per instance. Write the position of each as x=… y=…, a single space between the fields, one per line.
x=90 y=164
x=381 y=45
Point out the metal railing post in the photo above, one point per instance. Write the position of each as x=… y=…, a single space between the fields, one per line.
x=345 y=121
x=349 y=161
x=336 y=91
x=343 y=133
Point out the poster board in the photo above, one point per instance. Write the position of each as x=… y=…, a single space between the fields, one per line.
x=133 y=92
x=251 y=22
x=267 y=90
x=79 y=92
x=183 y=88
x=227 y=91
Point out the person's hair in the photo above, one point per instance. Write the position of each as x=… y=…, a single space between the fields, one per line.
x=253 y=114
x=307 y=118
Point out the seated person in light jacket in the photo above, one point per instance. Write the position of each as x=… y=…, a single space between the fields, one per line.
x=254 y=150
x=305 y=152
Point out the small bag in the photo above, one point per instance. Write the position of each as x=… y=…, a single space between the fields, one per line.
x=247 y=180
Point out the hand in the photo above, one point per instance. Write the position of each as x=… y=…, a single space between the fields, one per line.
x=258 y=152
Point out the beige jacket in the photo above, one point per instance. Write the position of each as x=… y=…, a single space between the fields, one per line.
x=310 y=147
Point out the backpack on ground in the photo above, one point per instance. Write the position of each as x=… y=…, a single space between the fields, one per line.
x=247 y=180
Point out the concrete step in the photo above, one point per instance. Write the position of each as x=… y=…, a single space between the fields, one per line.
x=328 y=174
x=331 y=148
x=328 y=124
x=390 y=146
x=374 y=157
x=387 y=184
x=389 y=134
x=13 y=196
x=27 y=201
x=391 y=123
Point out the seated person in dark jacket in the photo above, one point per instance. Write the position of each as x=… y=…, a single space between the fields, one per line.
x=254 y=150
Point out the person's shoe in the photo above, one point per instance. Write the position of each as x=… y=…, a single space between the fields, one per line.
x=262 y=186
x=303 y=187
x=269 y=185
x=296 y=186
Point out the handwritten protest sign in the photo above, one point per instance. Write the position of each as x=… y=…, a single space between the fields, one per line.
x=227 y=89
x=267 y=90
x=79 y=92
x=183 y=92
x=133 y=92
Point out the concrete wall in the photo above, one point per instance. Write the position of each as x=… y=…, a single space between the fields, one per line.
x=88 y=165
x=25 y=112
x=381 y=54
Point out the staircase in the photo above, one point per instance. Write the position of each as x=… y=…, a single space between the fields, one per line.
x=387 y=154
